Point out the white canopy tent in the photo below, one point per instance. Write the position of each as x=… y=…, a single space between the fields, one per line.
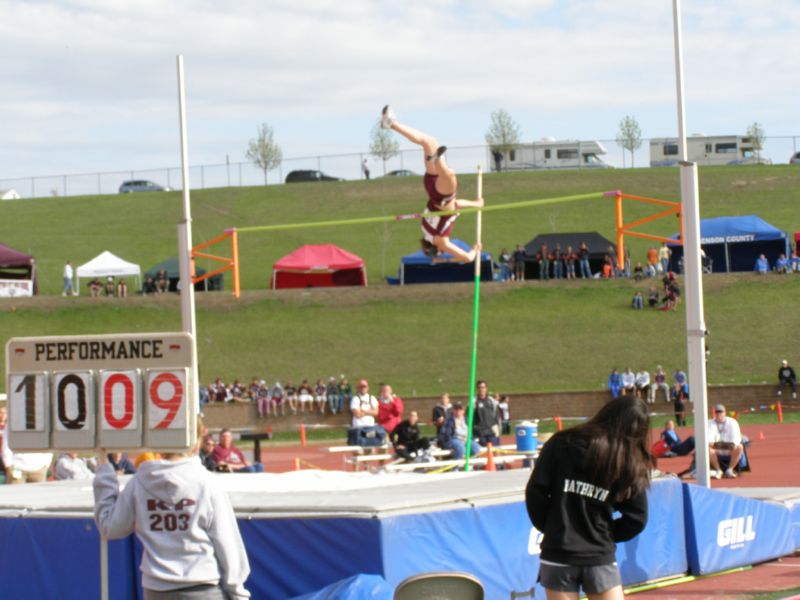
x=107 y=264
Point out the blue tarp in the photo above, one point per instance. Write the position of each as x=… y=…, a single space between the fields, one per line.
x=357 y=587
x=734 y=243
x=419 y=268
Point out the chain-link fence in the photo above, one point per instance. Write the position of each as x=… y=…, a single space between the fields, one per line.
x=464 y=159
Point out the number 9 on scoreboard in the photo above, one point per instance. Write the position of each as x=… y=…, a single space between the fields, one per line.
x=166 y=398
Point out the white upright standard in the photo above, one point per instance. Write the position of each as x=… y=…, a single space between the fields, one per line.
x=695 y=319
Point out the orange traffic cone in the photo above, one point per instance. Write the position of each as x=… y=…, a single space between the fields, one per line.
x=303 y=435
x=761 y=435
x=490 y=466
x=297 y=463
x=558 y=423
x=779 y=410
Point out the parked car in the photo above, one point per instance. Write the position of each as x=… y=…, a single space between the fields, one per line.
x=795 y=160
x=141 y=185
x=401 y=173
x=309 y=175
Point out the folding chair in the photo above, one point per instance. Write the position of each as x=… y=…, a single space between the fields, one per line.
x=442 y=585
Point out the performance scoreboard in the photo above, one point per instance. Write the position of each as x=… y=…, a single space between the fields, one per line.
x=119 y=392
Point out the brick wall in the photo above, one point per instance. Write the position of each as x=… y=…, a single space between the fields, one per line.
x=523 y=406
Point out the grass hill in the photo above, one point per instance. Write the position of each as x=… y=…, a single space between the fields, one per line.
x=534 y=336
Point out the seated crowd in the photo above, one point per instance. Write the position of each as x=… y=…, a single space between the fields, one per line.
x=641 y=385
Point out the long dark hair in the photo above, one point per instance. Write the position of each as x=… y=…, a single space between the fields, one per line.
x=617 y=455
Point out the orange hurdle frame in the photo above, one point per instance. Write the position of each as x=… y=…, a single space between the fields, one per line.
x=624 y=229
x=229 y=264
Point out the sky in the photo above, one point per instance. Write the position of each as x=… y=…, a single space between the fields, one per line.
x=91 y=86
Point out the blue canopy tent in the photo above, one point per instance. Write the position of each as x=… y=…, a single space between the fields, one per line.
x=734 y=243
x=419 y=268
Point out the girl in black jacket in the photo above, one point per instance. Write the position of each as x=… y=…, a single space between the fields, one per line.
x=582 y=476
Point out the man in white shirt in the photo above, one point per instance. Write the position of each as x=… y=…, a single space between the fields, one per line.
x=628 y=382
x=68 y=287
x=724 y=439
x=643 y=385
x=363 y=406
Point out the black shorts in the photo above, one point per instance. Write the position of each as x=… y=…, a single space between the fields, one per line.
x=594 y=580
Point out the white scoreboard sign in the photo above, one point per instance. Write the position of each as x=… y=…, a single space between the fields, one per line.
x=120 y=392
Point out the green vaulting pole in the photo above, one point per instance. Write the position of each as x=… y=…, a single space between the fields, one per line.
x=474 y=367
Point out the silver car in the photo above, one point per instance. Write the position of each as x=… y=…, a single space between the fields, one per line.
x=141 y=185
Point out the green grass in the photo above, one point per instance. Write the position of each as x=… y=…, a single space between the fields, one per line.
x=533 y=337
x=777 y=595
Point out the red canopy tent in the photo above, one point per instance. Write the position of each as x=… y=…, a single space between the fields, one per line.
x=323 y=265
x=16 y=265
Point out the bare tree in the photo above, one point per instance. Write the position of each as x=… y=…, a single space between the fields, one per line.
x=503 y=136
x=629 y=136
x=756 y=134
x=383 y=144
x=264 y=151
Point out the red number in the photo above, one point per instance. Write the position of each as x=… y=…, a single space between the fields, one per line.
x=171 y=405
x=108 y=406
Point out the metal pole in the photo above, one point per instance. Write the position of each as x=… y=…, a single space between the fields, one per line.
x=185 y=241
x=695 y=320
x=103 y=568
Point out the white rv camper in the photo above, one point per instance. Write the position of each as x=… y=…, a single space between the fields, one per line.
x=552 y=154
x=705 y=150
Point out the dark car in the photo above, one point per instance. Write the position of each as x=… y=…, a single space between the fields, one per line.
x=141 y=185
x=401 y=173
x=309 y=175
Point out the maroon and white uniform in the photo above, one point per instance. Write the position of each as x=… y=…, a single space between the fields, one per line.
x=433 y=225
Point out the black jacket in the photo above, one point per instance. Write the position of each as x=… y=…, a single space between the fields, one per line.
x=574 y=515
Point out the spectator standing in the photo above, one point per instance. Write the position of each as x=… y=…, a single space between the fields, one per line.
x=365 y=169
x=762 y=265
x=615 y=383
x=519 y=263
x=544 y=262
x=110 y=288
x=68 y=275
x=583 y=260
x=332 y=393
x=558 y=262
x=652 y=261
x=230 y=458
x=787 y=376
x=659 y=383
x=390 y=408
x=569 y=262
x=679 y=398
x=363 y=406
x=505 y=415
x=486 y=417
x=441 y=411
x=406 y=439
x=628 y=382
x=643 y=385
x=664 y=254
x=95 y=287
x=149 y=286
x=162 y=282
x=453 y=434
x=504 y=259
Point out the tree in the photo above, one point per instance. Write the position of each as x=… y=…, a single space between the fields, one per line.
x=383 y=144
x=756 y=134
x=264 y=151
x=629 y=136
x=503 y=136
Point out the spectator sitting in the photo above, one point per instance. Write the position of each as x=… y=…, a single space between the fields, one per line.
x=290 y=396
x=676 y=446
x=783 y=265
x=319 y=396
x=276 y=399
x=69 y=466
x=787 y=376
x=332 y=394
x=220 y=391
x=643 y=385
x=263 y=400
x=206 y=453
x=162 y=282
x=252 y=390
x=795 y=262
x=237 y=391
x=638 y=301
x=441 y=411
x=305 y=396
x=652 y=298
x=762 y=265
x=149 y=286
x=109 y=287
x=614 y=383
x=659 y=383
x=121 y=463
x=405 y=438
x=122 y=289
x=725 y=440
x=95 y=287
x=628 y=382
x=390 y=408
x=230 y=459
x=679 y=377
x=638 y=271
x=453 y=434
x=345 y=393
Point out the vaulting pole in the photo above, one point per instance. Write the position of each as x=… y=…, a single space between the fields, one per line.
x=474 y=368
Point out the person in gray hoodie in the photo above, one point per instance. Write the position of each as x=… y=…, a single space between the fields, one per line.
x=192 y=548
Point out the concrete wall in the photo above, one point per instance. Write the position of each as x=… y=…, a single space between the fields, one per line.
x=243 y=415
